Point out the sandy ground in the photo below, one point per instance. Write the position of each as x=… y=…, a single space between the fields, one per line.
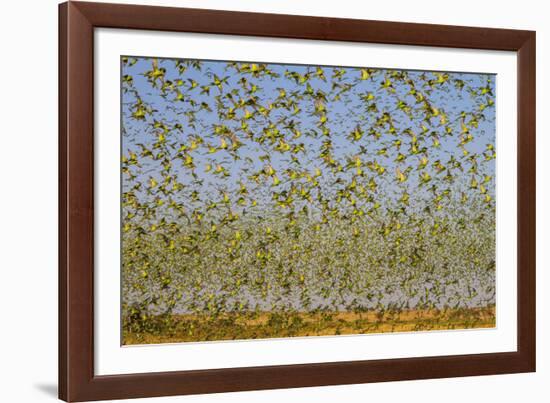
x=186 y=328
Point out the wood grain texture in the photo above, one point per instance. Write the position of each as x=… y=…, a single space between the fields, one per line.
x=77 y=381
x=76 y=214
x=300 y=27
x=63 y=320
x=526 y=199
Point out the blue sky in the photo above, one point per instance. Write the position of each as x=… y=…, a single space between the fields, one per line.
x=351 y=109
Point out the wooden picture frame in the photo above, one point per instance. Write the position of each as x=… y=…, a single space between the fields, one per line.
x=77 y=381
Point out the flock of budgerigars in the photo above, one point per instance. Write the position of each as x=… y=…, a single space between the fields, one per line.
x=251 y=187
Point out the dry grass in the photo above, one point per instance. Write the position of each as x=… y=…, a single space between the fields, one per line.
x=194 y=328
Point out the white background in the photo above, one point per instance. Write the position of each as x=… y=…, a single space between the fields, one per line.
x=28 y=206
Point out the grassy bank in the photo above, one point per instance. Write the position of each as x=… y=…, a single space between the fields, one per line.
x=193 y=328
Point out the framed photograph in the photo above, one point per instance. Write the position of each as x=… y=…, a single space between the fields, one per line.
x=257 y=201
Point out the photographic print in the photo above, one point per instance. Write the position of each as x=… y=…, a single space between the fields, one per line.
x=264 y=200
